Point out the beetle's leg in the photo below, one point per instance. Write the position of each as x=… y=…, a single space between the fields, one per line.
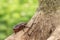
x=27 y=27
x=23 y=30
x=28 y=34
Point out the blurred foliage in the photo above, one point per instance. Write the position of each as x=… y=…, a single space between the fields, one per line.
x=13 y=12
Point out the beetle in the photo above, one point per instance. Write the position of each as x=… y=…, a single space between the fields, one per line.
x=19 y=27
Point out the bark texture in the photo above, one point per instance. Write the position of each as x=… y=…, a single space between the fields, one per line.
x=45 y=24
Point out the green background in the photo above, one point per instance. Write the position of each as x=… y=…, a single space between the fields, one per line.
x=13 y=12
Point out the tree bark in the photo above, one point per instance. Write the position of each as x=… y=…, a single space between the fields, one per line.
x=44 y=25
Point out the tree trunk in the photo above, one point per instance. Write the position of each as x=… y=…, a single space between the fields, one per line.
x=44 y=25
